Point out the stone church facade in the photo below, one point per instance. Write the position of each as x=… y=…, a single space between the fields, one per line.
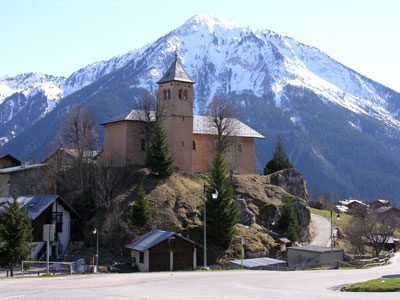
x=192 y=139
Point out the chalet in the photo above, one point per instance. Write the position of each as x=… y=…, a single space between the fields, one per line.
x=388 y=211
x=380 y=203
x=65 y=157
x=163 y=251
x=353 y=205
x=48 y=209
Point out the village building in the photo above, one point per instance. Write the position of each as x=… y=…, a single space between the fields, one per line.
x=21 y=176
x=163 y=251
x=47 y=209
x=192 y=139
x=313 y=256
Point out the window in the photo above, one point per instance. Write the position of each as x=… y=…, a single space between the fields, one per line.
x=165 y=94
x=194 y=145
x=143 y=145
x=171 y=242
x=183 y=144
x=180 y=94
x=57 y=217
x=185 y=94
x=240 y=147
x=141 y=257
x=169 y=94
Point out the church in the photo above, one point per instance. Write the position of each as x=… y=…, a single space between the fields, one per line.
x=192 y=139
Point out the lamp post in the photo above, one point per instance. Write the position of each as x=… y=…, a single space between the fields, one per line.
x=97 y=248
x=214 y=196
x=337 y=218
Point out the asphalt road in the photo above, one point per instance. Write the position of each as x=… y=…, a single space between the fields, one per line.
x=322 y=231
x=201 y=285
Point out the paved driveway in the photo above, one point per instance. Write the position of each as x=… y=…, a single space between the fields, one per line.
x=322 y=231
x=200 y=285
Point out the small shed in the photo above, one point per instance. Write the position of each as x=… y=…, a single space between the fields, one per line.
x=163 y=251
x=262 y=263
x=313 y=256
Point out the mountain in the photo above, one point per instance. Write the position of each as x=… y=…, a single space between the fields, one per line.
x=340 y=129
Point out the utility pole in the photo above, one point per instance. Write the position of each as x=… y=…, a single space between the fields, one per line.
x=205 y=230
x=95 y=231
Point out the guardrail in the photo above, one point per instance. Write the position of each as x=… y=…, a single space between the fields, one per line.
x=44 y=262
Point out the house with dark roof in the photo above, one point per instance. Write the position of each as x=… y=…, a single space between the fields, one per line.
x=163 y=251
x=8 y=161
x=48 y=209
x=192 y=139
x=23 y=177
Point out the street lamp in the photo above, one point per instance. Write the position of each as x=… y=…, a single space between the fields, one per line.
x=214 y=196
x=97 y=248
x=337 y=218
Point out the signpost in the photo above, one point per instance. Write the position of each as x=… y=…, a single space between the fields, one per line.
x=48 y=236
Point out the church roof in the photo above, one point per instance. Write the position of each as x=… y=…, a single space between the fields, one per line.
x=175 y=73
x=205 y=125
x=201 y=124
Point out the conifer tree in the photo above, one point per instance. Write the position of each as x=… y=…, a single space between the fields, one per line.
x=288 y=223
x=158 y=159
x=141 y=214
x=279 y=160
x=222 y=213
x=15 y=233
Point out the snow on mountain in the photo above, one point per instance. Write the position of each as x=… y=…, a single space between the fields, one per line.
x=222 y=58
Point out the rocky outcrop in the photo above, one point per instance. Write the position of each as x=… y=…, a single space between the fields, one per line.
x=291 y=181
x=245 y=216
x=264 y=195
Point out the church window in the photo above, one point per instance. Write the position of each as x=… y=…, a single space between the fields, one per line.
x=165 y=94
x=143 y=145
x=183 y=144
x=180 y=94
x=185 y=94
x=169 y=94
x=240 y=147
x=194 y=145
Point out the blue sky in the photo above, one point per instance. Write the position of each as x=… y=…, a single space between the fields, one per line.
x=59 y=37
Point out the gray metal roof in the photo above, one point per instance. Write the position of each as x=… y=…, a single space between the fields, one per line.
x=175 y=73
x=20 y=168
x=318 y=249
x=201 y=124
x=257 y=262
x=153 y=238
x=36 y=204
x=205 y=125
x=133 y=115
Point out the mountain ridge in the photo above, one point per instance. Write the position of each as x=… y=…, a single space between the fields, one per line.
x=260 y=72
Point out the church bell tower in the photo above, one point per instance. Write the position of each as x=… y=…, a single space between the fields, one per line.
x=175 y=94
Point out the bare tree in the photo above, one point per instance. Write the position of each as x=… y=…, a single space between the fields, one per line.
x=355 y=233
x=222 y=118
x=148 y=111
x=79 y=130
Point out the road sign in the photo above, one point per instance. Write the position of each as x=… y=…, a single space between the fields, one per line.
x=48 y=232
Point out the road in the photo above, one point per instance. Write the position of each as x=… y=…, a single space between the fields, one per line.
x=200 y=285
x=322 y=231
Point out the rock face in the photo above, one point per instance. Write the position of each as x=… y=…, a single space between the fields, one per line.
x=291 y=181
x=263 y=196
x=245 y=216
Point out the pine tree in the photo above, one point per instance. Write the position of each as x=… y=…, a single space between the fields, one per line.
x=279 y=160
x=158 y=159
x=15 y=233
x=288 y=223
x=222 y=213
x=141 y=214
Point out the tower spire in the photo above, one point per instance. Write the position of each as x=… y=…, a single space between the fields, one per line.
x=176 y=55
